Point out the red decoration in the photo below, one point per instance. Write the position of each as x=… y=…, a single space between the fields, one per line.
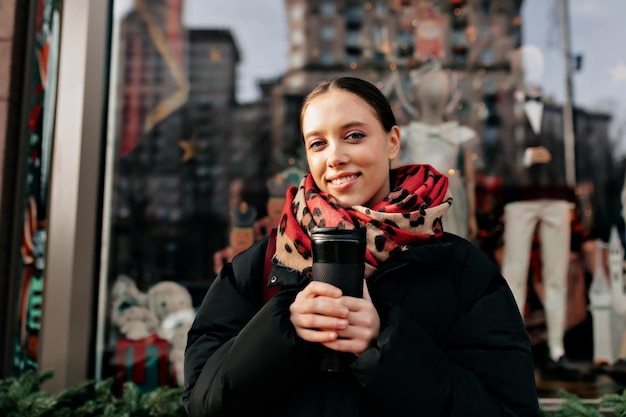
x=145 y=362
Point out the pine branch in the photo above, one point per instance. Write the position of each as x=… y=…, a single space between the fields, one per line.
x=574 y=407
x=78 y=394
x=90 y=399
x=616 y=402
x=22 y=397
x=164 y=402
x=130 y=399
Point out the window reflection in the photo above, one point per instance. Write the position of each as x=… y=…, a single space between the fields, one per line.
x=192 y=162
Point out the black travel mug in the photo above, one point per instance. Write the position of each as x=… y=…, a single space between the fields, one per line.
x=339 y=259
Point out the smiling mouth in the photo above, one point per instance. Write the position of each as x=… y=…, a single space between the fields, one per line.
x=343 y=180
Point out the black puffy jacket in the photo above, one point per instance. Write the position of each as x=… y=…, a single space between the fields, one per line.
x=452 y=343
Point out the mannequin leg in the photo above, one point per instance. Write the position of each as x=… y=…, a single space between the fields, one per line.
x=520 y=219
x=555 y=235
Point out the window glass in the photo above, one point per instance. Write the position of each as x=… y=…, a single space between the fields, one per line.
x=205 y=119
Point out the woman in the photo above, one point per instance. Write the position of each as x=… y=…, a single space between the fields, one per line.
x=437 y=332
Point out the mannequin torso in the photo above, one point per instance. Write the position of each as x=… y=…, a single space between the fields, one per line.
x=443 y=144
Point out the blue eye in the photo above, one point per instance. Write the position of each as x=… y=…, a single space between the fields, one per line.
x=355 y=136
x=315 y=144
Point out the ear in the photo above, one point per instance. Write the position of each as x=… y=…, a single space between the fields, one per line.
x=393 y=142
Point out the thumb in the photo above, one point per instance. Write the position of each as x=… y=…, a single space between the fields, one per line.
x=366 y=293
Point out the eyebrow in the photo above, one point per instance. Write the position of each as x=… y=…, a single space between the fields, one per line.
x=342 y=127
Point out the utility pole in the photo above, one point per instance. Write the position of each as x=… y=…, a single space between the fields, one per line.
x=569 y=139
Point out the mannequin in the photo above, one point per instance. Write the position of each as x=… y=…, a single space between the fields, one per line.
x=536 y=195
x=435 y=141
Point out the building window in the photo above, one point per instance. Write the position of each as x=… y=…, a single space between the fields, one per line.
x=486 y=57
x=326 y=57
x=381 y=8
x=353 y=38
x=354 y=13
x=327 y=33
x=328 y=8
x=353 y=55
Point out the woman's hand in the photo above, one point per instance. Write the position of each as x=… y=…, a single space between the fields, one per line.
x=347 y=324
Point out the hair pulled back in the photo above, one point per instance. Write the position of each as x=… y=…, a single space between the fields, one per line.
x=360 y=88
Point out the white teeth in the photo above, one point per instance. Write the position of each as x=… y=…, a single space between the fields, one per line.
x=339 y=181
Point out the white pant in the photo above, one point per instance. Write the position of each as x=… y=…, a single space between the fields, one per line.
x=520 y=219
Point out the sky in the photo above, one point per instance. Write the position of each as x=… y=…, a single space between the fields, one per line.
x=260 y=30
x=596 y=32
x=597 y=29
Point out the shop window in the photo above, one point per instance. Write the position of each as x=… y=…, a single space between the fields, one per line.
x=174 y=195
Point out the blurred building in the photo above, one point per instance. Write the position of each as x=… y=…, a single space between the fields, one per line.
x=382 y=41
x=176 y=115
x=183 y=140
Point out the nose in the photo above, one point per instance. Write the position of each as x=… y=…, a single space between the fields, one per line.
x=337 y=155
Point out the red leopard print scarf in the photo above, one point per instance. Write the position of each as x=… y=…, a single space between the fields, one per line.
x=410 y=214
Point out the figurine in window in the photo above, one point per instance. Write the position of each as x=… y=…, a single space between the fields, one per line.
x=171 y=304
x=141 y=355
x=241 y=235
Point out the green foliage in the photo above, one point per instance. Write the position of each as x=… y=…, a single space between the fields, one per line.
x=572 y=406
x=22 y=397
x=616 y=402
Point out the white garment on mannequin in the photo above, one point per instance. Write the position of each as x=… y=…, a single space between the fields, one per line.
x=554 y=234
x=533 y=109
x=433 y=140
x=440 y=146
x=534 y=113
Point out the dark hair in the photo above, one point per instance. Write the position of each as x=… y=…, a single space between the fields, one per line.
x=360 y=88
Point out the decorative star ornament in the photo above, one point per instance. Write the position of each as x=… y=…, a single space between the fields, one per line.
x=618 y=72
x=190 y=148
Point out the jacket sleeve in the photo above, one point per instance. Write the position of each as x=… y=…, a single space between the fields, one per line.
x=483 y=368
x=234 y=347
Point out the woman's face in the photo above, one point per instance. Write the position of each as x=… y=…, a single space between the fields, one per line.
x=347 y=149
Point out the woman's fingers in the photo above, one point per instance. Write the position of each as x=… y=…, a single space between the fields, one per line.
x=318 y=305
x=318 y=288
x=312 y=335
x=363 y=329
x=317 y=314
x=348 y=324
